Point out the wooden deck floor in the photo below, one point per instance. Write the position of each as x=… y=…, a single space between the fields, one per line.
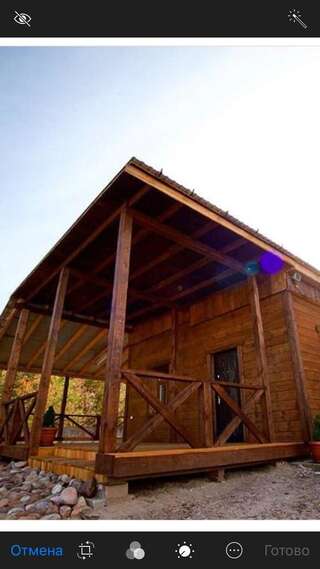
x=164 y=462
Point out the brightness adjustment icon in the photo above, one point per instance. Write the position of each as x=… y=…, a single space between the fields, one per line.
x=294 y=16
x=184 y=550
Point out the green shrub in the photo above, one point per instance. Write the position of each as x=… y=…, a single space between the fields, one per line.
x=48 y=418
x=316 y=428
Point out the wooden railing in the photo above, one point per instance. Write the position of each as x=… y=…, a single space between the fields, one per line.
x=91 y=428
x=163 y=412
x=167 y=412
x=15 y=425
x=219 y=387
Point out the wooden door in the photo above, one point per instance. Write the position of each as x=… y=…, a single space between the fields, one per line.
x=226 y=368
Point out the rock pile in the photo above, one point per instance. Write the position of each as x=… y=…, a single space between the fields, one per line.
x=32 y=494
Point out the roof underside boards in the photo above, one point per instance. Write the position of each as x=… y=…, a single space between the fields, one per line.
x=77 y=358
x=180 y=253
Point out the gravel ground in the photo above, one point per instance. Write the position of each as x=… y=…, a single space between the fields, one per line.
x=286 y=491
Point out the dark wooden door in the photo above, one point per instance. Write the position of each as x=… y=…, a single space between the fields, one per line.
x=226 y=368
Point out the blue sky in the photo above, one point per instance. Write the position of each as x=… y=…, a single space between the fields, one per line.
x=240 y=125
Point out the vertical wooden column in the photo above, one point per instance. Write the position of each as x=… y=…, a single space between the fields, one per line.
x=48 y=360
x=298 y=367
x=262 y=365
x=63 y=407
x=116 y=336
x=207 y=414
x=14 y=358
x=172 y=387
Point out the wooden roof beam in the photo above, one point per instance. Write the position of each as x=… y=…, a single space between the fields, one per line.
x=170 y=252
x=194 y=267
x=141 y=234
x=5 y=323
x=107 y=286
x=91 y=237
x=46 y=310
x=185 y=241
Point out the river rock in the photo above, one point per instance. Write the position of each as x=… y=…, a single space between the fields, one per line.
x=75 y=483
x=30 y=516
x=25 y=499
x=64 y=478
x=68 y=497
x=54 y=516
x=88 y=488
x=57 y=489
x=21 y=464
x=65 y=512
x=80 y=505
x=89 y=514
x=15 y=513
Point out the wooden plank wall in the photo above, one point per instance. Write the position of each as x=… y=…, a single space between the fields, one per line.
x=308 y=323
x=220 y=321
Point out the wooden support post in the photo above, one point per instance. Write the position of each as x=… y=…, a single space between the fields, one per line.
x=298 y=367
x=261 y=356
x=14 y=358
x=116 y=336
x=63 y=407
x=48 y=361
x=206 y=414
x=216 y=475
x=173 y=363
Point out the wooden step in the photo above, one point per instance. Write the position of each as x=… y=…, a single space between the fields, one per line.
x=74 y=452
x=75 y=468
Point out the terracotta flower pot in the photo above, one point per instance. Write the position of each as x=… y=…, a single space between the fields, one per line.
x=315 y=450
x=48 y=434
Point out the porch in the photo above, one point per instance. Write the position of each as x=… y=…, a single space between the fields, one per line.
x=133 y=458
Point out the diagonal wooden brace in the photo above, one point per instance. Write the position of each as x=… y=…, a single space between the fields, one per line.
x=238 y=411
x=168 y=415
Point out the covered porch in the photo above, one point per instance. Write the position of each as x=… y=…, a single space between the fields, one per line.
x=145 y=247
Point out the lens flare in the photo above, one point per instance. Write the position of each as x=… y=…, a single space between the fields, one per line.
x=271 y=263
x=252 y=268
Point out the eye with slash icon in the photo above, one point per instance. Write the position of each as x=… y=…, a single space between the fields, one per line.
x=184 y=550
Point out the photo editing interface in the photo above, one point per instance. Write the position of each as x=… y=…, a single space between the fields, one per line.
x=160 y=285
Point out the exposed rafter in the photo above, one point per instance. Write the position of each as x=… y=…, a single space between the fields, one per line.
x=77 y=334
x=89 y=239
x=141 y=234
x=39 y=351
x=186 y=241
x=86 y=349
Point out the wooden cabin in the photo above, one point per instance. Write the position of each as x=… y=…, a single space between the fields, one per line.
x=211 y=328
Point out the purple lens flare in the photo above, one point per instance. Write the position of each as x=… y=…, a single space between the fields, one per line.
x=271 y=263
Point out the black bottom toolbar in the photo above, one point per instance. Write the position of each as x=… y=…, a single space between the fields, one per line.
x=160 y=549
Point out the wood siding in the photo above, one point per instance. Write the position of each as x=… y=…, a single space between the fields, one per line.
x=221 y=321
x=307 y=314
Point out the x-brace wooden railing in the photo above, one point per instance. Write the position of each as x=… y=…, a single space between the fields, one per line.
x=163 y=412
x=16 y=415
x=166 y=412
x=241 y=416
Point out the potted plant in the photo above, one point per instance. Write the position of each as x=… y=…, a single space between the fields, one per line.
x=315 y=443
x=48 y=431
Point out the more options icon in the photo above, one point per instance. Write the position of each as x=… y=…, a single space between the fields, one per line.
x=234 y=550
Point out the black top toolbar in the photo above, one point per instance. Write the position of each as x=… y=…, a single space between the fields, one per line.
x=147 y=19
